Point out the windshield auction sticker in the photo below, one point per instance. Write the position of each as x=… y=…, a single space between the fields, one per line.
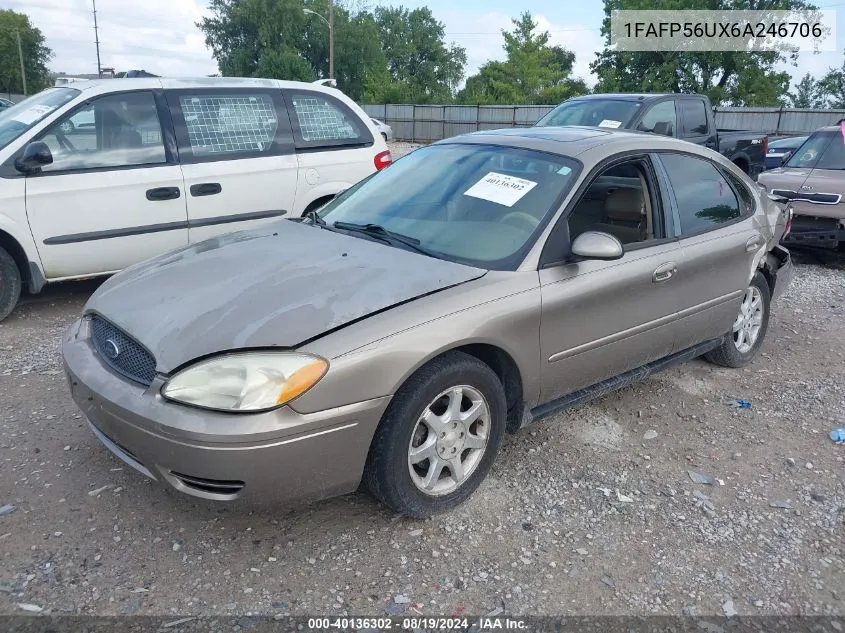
x=500 y=188
x=33 y=114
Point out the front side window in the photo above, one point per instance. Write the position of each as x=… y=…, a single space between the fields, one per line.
x=619 y=202
x=119 y=130
x=221 y=124
x=321 y=119
x=704 y=198
x=477 y=204
x=613 y=113
x=18 y=118
x=660 y=119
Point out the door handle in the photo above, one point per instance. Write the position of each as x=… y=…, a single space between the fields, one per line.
x=664 y=272
x=752 y=244
x=163 y=193
x=206 y=189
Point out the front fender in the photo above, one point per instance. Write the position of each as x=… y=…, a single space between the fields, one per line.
x=378 y=354
x=18 y=230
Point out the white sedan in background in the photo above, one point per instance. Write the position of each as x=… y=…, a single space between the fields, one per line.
x=384 y=128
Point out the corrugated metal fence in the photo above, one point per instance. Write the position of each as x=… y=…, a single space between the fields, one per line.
x=425 y=123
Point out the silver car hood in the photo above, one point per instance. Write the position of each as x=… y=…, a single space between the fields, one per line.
x=275 y=287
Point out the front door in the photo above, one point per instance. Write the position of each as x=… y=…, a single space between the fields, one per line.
x=237 y=156
x=113 y=195
x=602 y=318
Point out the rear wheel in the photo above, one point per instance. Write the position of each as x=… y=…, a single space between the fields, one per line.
x=741 y=344
x=10 y=284
x=438 y=438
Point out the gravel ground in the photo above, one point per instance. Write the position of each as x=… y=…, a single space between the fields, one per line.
x=590 y=512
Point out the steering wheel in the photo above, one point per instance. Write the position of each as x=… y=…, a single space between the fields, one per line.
x=65 y=143
x=520 y=219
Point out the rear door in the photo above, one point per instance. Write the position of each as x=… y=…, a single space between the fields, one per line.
x=712 y=212
x=694 y=123
x=113 y=194
x=237 y=157
x=335 y=146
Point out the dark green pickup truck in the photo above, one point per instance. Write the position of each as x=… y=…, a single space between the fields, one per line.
x=685 y=116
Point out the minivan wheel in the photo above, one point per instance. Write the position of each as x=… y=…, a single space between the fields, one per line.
x=741 y=344
x=10 y=284
x=438 y=438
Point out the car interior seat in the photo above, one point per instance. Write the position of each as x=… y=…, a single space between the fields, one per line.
x=624 y=216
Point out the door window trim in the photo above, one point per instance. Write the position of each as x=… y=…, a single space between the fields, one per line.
x=168 y=140
x=282 y=145
x=559 y=241
x=676 y=214
x=303 y=146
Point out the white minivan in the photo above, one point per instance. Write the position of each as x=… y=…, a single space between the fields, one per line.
x=96 y=176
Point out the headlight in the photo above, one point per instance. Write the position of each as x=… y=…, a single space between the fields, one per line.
x=247 y=381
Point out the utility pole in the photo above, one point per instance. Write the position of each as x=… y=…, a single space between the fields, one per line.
x=331 y=39
x=20 y=55
x=97 y=39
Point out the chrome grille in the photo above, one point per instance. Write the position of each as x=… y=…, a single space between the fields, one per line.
x=122 y=353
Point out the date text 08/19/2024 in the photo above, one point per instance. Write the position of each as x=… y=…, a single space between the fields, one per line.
x=479 y=624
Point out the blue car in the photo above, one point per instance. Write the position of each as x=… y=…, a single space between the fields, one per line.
x=780 y=148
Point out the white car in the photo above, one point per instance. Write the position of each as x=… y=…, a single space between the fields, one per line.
x=385 y=130
x=156 y=164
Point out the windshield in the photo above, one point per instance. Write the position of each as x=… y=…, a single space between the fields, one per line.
x=476 y=204
x=592 y=112
x=822 y=150
x=19 y=118
x=786 y=143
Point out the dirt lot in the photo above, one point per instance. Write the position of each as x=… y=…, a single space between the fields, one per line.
x=593 y=511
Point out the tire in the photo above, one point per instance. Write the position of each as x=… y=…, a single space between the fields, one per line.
x=384 y=136
x=10 y=284
x=388 y=472
x=733 y=353
x=66 y=127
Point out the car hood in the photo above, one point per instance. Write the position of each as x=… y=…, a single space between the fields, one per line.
x=276 y=287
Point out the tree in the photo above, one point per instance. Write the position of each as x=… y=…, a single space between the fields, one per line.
x=533 y=71
x=390 y=54
x=808 y=93
x=832 y=88
x=421 y=66
x=36 y=54
x=727 y=78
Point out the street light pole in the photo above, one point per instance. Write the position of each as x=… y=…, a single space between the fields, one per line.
x=20 y=55
x=330 y=24
x=331 y=39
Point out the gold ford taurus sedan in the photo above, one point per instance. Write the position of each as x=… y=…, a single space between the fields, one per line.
x=398 y=333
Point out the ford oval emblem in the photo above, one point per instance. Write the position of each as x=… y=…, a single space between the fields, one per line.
x=111 y=349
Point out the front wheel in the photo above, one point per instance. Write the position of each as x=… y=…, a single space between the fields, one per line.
x=10 y=284
x=741 y=344
x=438 y=438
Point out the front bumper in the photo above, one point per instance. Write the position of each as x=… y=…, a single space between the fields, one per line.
x=277 y=456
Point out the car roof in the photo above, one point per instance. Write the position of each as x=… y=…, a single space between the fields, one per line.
x=627 y=96
x=141 y=83
x=572 y=140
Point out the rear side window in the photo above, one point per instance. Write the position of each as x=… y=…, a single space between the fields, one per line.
x=694 y=117
x=220 y=124
x=705 y=199
x=321 y=120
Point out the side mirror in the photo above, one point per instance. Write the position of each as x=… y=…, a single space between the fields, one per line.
x=786 y=157
x=34 y=157
x=664 y=128
x=596 y=245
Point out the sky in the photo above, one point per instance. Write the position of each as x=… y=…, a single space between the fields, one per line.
x=160 y=36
